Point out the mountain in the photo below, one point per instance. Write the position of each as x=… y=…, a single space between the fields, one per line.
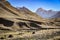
x=21 y=24
x=11 y=17
x=25 y=11
x=48 y=13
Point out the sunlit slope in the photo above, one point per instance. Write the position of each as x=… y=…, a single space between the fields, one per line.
x=15 y=13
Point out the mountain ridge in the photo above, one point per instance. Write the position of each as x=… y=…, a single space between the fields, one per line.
x=47 y=13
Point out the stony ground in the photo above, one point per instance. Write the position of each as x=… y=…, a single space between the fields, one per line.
x=47 y=34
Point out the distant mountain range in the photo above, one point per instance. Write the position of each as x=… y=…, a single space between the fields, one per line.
x=48 y=13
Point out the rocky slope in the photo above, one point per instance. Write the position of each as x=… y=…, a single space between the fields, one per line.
x=22 y=24
x=13 y=15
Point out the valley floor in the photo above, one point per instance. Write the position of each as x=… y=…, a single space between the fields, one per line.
x=46 y=34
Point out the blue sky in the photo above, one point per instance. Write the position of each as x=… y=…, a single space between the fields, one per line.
x=33 y=5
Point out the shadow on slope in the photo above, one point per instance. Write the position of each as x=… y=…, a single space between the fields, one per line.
x=30 y=21
x=5 y=22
